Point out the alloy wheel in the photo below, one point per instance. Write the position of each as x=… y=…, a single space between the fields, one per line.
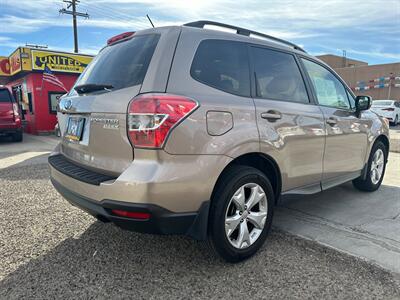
x=246 y=215
x=377 y=166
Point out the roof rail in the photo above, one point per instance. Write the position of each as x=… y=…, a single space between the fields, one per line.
x=242 y=31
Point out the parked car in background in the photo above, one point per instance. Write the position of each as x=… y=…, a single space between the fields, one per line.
x=186 y=130
x=10 y=117
x=389 y=109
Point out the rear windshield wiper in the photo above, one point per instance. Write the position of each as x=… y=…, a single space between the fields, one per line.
x=91 y=87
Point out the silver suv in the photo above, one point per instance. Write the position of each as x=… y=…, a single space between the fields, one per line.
x=188 y=130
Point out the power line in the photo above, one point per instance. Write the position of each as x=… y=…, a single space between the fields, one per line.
x=74 y=13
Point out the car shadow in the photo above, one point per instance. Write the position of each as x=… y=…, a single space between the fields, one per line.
x=348 y=206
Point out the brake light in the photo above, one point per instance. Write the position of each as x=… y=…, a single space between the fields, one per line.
x=389 y=109
x=151 y=117
x=131 y=214
x=120 y=37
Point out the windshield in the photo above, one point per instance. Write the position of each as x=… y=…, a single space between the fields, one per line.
x=382 y=103
x=121 y=65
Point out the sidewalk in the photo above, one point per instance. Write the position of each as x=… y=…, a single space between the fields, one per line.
x=366 y=225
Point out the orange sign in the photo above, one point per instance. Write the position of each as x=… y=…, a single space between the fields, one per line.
x=4 y=66
x=15 y=62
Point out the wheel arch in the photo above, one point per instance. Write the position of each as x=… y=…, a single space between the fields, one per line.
x=264 y=163
x=384 y=139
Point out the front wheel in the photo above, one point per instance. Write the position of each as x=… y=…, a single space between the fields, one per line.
x=375 y=169
x=241 y=213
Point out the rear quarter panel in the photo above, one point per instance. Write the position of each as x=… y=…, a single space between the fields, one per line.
x=191 y=136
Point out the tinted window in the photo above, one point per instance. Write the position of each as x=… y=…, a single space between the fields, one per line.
x=5 y=96
x=123 y=64
x=278 y=76
x=223 y=65
x=329 y=90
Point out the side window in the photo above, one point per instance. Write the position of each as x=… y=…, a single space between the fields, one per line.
x=223 y=65
x=330 y=91
x=278 y=76
x=352 y=100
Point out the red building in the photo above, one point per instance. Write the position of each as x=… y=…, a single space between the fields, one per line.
x=37 y=98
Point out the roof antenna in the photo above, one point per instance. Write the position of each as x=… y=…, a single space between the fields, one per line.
x=150 y=20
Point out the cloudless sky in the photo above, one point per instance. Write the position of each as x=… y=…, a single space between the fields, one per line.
x=368 y=30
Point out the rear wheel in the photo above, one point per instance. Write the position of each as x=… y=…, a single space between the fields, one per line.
x=241 y=213
x=17 y=137
x=376 y=169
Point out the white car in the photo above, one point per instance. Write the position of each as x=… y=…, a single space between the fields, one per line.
x=389 y=109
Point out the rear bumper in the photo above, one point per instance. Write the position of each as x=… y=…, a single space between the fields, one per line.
x=10 y=129
x=161 y=221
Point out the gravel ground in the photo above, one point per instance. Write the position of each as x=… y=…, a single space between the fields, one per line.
x=49 y=249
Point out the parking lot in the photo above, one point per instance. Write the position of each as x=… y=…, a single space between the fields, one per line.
x=50 y=249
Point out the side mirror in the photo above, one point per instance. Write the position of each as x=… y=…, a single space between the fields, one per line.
x=363 y=103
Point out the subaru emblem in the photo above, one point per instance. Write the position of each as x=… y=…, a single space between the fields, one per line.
x=67 y=104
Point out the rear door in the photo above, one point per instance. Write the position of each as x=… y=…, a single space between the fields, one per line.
x=346 y=134
x=291 y=127
x=6 y=108
x=95 y=131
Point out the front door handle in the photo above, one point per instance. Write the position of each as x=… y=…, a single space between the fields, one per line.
x=271 y=115
x=331 y=121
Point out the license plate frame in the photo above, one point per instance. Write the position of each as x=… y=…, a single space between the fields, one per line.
x=75 y=126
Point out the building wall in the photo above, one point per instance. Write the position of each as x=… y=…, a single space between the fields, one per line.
x=41 y=120
x=366 y=73
x=335 y=61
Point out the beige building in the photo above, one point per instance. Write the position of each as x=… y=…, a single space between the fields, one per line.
x=378 y=81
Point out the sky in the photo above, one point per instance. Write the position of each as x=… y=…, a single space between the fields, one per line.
x=368 y=30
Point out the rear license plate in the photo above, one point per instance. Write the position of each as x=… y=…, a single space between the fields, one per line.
x=75 y=128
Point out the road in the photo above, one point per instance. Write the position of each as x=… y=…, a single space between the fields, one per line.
x=49 y=249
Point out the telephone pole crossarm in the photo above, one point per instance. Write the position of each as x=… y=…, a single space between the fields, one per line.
x=72 y=4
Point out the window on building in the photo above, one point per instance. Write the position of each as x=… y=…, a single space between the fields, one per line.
x=30 y=103
x=54 y=98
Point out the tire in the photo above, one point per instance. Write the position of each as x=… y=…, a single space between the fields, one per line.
x=396 y=120
x=18 y=136
x=369 y=184
x=223 y=206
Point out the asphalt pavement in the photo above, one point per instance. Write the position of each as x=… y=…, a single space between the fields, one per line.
x=49 y=249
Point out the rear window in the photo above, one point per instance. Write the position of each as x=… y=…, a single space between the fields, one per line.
x=222 y=65
x=122 y=64
x=5 y=96
x=382 y=103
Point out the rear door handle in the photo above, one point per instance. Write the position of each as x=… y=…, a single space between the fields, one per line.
x=331 y=121
x=271 y=115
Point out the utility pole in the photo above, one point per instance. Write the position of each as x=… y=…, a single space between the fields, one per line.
x=74 y=13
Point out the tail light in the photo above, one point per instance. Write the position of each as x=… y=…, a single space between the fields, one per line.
x=389 y=109
x=151 y=117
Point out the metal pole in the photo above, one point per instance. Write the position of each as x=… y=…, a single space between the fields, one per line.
x=75 y=26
